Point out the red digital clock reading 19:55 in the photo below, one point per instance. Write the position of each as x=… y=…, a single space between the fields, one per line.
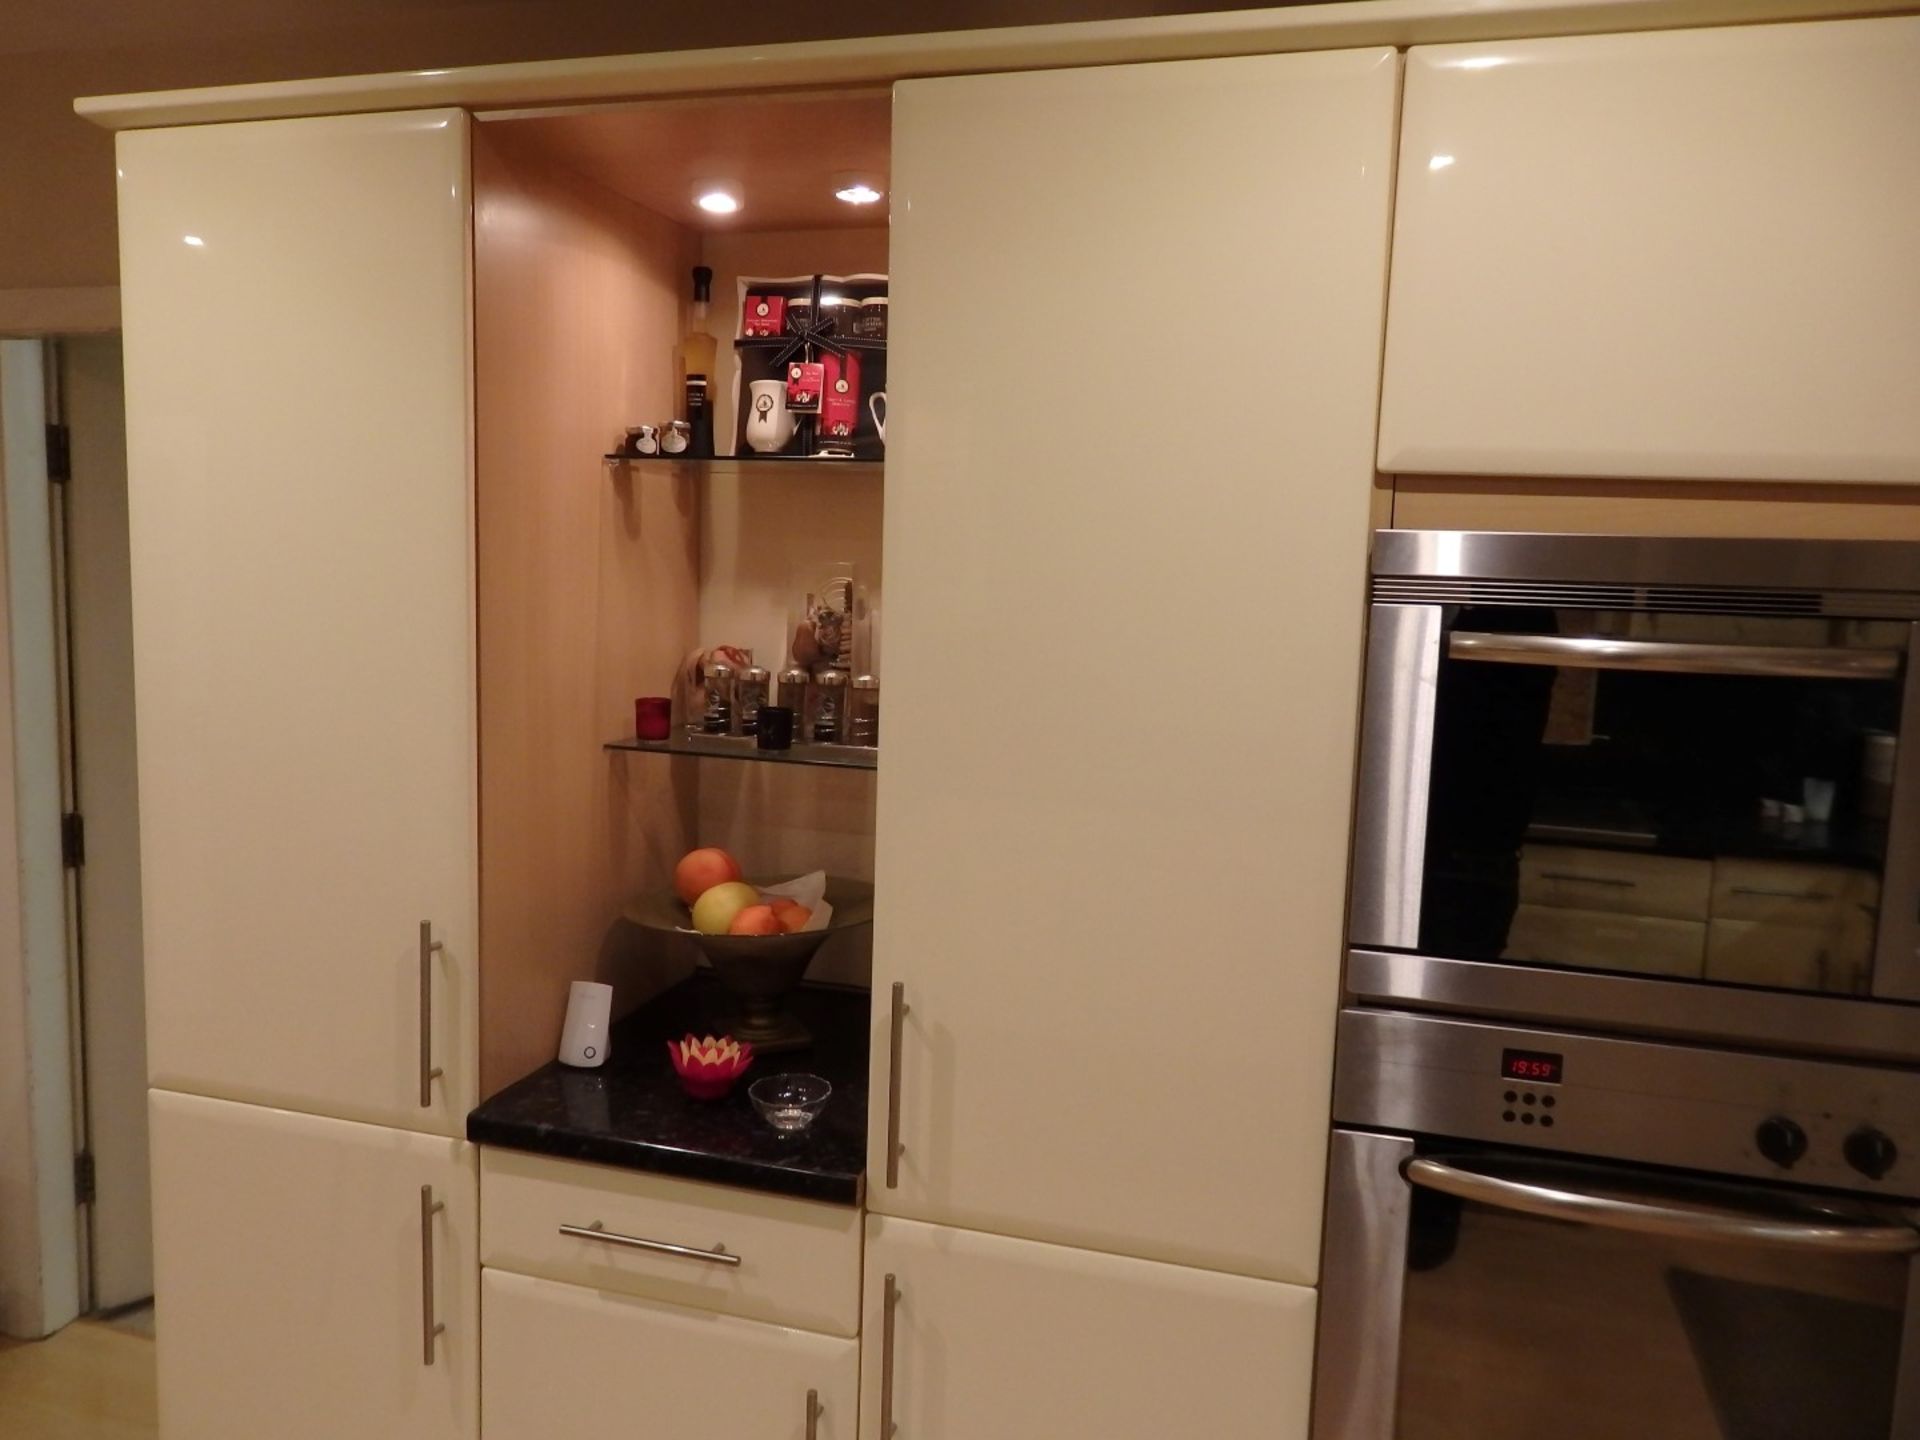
x=1539 y=1066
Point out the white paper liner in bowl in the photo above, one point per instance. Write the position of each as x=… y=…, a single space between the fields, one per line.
x=809 y=890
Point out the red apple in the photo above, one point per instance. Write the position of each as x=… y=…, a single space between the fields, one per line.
x=700 y=870
x=792 y=914
x=755 y=920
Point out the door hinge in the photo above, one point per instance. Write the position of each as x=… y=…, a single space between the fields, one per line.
x=59 y=454
x=73 y=841
x=85 y=1182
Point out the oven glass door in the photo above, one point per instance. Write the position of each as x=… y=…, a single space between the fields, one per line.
x=1519 y=1326
x=1699 y=797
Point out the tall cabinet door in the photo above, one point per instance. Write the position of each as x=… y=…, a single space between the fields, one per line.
x=302 y=1279
x=1685 y=254
x=295 y=300
x=1024 y=1341
x=1135 y=361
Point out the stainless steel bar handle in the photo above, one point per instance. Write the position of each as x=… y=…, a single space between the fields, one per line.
x=813 y=1415
x=1646 y=1217
x=429 y=1072
x=1573 y=877
x=892 y=1303
x=431 y=1329
x=1598 y=652
x=719 y=1255
x=899 y=1024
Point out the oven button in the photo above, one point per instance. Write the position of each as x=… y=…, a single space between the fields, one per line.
x=1781 y=1141
x=1870 y=1152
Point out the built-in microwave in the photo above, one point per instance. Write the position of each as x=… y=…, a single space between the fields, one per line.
x=1665 y=786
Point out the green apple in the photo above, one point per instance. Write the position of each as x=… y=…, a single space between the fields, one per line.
x=713 y=912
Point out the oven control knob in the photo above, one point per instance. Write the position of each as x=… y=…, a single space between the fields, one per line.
x=1870 y=1152
x=1780 y=1140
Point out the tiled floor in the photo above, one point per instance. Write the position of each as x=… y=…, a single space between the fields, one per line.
x=92 y=1381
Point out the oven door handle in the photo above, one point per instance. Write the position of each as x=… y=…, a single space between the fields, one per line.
x=1829 y=1235
x=1596 y=652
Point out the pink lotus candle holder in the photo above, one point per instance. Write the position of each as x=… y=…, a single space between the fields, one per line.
x=708 y=1067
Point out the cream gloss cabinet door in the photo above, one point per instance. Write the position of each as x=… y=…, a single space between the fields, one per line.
x=1686 y=254
x=295 y=301
x=566 y=1360
x=303 y=1277
x=1024 y=1341
x=1134 y=369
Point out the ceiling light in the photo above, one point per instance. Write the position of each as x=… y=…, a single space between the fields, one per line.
x=717 y=197
x=856 y=189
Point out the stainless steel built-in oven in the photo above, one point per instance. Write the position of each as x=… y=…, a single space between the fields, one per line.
x=1535 y=1233
x=1647 y=785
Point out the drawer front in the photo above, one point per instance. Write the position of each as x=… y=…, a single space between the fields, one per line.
x=1784 y=893
x=1611 y=880
x=1600 y=941
x=799 y=1259
x=562 y=1361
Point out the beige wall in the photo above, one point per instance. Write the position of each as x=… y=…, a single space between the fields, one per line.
x=57 y=217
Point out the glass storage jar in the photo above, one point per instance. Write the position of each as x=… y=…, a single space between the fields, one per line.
x=863 y=711
x=827 y=708
x=718 y=719
x=793 y=694
x=749 y=694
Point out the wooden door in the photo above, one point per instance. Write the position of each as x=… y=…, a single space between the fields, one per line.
x=1024 y=1341
x=290 y=1259
x=1687 y=254
x=1134 y=360
x=566 y=1360
x=295 y=296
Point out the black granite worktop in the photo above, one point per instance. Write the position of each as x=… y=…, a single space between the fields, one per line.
x=632 y=1111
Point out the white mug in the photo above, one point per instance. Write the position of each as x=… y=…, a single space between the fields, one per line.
x=877 y=407
x=583 y=1038
x=770 y=424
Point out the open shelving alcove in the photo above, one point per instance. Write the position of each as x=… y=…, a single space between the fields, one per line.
x=597 y=580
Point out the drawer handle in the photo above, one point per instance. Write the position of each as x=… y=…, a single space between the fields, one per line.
x=813 y=1415
x=718 y=1255
x=431 y=1326
x=429 y=1072
x=1589 y=879
x=1777 y=894
x=889 y=1306
x=897 y=1029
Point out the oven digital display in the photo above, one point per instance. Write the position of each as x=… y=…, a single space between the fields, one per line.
x=1541 y=1067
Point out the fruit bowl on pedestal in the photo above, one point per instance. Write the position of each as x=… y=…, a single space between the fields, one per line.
x=760 y=970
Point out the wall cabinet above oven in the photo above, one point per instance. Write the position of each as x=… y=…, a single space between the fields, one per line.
x=1683 y=255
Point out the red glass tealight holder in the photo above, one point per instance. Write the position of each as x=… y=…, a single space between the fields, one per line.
x=708 y=1067
x=652 y=717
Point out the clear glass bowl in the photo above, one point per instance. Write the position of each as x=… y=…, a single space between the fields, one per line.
x=789 y=1103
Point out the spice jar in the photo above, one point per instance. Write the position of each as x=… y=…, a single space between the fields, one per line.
x=749 y=694
x=827 y=707
x=675 y=439
x=719 y=717
x=872 y=324
x=842 y=312
x=863 y=711
x=793 y=690
x=799 y=316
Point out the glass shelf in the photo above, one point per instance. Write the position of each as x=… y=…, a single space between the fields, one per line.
x=734 y=466
x=743 y=747
x=845 y=342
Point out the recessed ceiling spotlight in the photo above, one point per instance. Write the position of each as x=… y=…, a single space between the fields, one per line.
x=856 y=189
x=717 y=197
